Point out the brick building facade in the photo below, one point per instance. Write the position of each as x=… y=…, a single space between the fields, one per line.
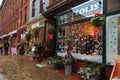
x=23 y=18
x=15 y=14
x=9 y=16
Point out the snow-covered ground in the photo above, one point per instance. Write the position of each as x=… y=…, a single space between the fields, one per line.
x=2 y=77
x=92 y=58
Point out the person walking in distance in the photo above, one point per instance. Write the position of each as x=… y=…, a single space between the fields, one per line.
x=1 y=48
x=6 y=47
x=22 y=50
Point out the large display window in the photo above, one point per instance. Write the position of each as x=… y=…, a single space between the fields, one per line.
x=85 y=45
x=112 y=38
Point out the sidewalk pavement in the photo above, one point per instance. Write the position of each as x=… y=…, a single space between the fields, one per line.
x=2 y=77
x=57 y=74
x=58 y=71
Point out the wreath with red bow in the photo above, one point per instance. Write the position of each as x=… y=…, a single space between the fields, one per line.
x=98 y=20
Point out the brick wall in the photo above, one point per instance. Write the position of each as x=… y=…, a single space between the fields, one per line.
x=113 y=5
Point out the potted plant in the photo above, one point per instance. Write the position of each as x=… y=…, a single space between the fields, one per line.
x=28 y=50
x=90 y=71
x=68 y=61
x=37 y=45
x=36 y=32
x=55 y=62
x=37 y=49
x=28 y=36
x=21 y=48
x=21 y=44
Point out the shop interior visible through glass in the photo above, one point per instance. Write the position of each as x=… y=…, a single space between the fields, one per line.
x=84 y=43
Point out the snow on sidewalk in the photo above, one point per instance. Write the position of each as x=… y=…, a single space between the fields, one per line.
x=2 y=77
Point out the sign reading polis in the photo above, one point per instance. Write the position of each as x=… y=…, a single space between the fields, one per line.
x=84 y=10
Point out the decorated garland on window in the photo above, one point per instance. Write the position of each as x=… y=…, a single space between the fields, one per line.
x=51 y=30
x=98 y=20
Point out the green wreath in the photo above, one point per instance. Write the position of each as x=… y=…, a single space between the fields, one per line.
x=98 y=20
x=51 y=30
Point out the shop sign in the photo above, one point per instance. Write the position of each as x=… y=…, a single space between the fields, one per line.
x=84 y=10
x=38 y=24
x=29 y=27
x=35 y=25
x=41 y=23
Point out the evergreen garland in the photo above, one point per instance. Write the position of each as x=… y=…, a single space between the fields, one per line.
x=51 y=30
x=28 y=36
x=98 y=20
x=36 y=32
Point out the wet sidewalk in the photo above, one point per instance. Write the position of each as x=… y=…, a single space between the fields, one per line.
x=2 y=77
x=28 y=66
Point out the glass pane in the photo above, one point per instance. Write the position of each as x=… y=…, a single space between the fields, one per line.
x=85 y=45
x=112 y=38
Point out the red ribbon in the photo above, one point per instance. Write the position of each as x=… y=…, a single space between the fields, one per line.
x=95 y=32
x=50 y=36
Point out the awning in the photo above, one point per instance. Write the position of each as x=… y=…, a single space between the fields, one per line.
x=13 y=32
x=3 y=36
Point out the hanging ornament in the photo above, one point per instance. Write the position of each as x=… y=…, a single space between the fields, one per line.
x=50 y=36
x=95 y=32
x=98 y=19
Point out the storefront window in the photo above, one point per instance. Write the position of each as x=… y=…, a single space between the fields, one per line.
x=85 y=45
x=113 y=38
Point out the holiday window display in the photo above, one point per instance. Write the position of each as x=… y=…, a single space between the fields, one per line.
x=83 y=40
x=97 y=21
